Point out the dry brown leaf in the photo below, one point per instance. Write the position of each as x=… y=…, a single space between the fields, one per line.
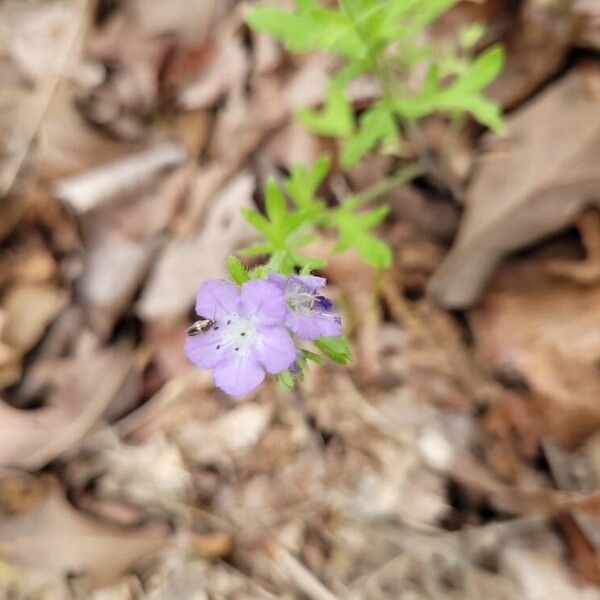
x=212 y=545
x=39 y=41
x=537 y=45
x=10 y=359
x=544 y=329
x=226 y=71
x=185 y=263
x=588 y=14
x=114 y=268
x=530 y=185
x=30 y=308
x=84 y=389
x=29 y=262
x=67 y=144
x=59 y=541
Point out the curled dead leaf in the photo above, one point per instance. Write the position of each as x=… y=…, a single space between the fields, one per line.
x=530 y=185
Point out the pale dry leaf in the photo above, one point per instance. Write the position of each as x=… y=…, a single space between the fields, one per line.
x=67 y=144
x=541 y=575
x=150 y=211
x=185 y=263
x=182 y=580
x=33 y=33
x=84 y=388
x=59 y=541
x=219 y=440
x=149 y=474
x=530 y=185
x=190 y=22
x=88 y=190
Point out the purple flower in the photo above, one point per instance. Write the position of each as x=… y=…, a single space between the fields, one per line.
x=245 y=337
x=309 y=314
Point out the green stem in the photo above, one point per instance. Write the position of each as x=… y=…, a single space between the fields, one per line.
x=412 y=129
x=402 y=176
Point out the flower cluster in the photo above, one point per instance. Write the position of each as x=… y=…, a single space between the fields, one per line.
x=249 y=330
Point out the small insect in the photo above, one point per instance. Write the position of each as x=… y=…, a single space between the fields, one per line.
x=200 y=326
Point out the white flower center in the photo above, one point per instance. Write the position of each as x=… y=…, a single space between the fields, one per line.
x=239 y=333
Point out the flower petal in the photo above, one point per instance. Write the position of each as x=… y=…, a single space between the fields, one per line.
x=312 y=282
x=202 y=349
x=264 y=300
x=312 y=325
x=217 y=298
x=275 y=348
x=278 y=279
x=238 y=374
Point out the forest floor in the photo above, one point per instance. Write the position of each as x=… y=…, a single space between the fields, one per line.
x=457 y=457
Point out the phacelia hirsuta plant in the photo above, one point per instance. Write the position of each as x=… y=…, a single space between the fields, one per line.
x=259 y=323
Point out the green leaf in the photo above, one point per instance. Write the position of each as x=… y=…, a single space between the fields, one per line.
x=237 y=270
x=353 y=233
x=274 y=202
x=336 y=348
x=335 y=119
x=486 y=111
x=308 y=262
x=309 y=26
x=294 y=30
x=317 y=358
x=482 y=71
x=376 y=124
x=258 y=222
x=258 y=272
x=281 y=261
x=425 y=12
x=470 y=34
x=256 y=249
x=303 y=183
x=285 y=378
x=373 y=250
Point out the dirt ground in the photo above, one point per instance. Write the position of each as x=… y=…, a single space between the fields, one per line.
x=457 y=457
